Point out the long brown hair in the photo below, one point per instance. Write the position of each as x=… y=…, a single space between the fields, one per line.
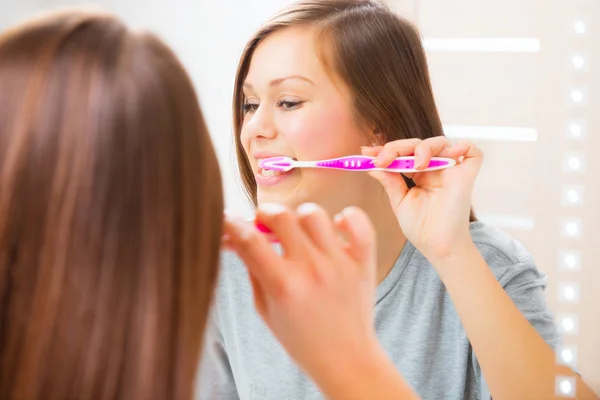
x=376 y=53
x=110 y=214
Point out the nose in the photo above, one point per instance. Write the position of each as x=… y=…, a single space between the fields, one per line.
x=260 y=125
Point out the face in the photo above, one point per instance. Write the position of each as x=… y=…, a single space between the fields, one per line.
x=294 y=108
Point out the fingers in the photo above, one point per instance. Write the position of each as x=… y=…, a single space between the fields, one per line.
x=391 y=150
x=286 y=227
x=464 y=149
x=423 y=150
x=374 y=151
x=317 y=224
x=469 y=157
x=429 y=148
x=370 y=151
x=360 y=234
x=254 y=250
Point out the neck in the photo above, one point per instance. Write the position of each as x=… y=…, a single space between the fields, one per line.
x=390 y=239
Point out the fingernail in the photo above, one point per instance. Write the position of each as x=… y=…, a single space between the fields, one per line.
x=337 y=218
x=271 y=208
x=418 y=162
x=242 y=228
x=307 y=209
x=347 y=211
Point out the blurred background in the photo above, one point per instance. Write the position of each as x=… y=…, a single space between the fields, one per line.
x=515 y=76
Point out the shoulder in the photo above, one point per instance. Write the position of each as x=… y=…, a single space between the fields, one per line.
x=497 y=244
x=506 y=256
x=517 y=272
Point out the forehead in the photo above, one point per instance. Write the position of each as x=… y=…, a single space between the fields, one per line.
x=289 y=51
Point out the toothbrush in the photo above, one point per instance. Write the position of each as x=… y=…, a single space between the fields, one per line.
x=356 y=163
x=263 y=229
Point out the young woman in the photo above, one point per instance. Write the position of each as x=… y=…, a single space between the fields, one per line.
x=459 y=304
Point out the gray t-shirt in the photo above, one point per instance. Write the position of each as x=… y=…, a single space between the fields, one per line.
x=415 y=321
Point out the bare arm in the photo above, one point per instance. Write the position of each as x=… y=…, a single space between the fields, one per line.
x=515 y=360
x=369 y=374
x=434 y=216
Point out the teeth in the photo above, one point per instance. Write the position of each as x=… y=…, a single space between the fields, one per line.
x=270 y=172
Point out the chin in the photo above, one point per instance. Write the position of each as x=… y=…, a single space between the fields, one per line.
x=278 y=199
x=288 y=198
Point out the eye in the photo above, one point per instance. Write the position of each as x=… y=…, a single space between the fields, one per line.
x=249 y=107
x=289 y=105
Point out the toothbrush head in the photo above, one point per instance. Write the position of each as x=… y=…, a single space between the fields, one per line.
x=282 y=164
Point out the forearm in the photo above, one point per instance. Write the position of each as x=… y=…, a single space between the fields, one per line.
x=515 y=360
x=366 y=376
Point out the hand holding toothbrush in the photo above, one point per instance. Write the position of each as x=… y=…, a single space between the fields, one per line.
x=434 y=215
x=317 y=297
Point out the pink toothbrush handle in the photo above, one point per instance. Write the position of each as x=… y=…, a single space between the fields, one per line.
x=362 y=163
x=263 y=229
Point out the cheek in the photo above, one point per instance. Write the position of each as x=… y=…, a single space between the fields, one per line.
x=324 y=133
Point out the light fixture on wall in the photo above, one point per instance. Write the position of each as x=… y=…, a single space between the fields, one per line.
x=577 y=96
x=574 y=162
x=566 y=355
x=578 y=61
x=486 y=44
x=565 y=386
x=571 y=228
x=569 y=260
x=568 y=324
x=572 y=195
x=568 y=292
x=575 y=129
x=580 y=27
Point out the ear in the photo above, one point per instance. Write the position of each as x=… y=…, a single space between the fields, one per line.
x=373 y=134
x=375 y=137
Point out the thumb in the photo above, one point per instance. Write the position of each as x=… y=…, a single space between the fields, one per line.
x=394 y=185
x=358 y=229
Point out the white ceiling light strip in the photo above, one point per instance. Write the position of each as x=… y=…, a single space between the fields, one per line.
x=497 y=133
x=502 y=45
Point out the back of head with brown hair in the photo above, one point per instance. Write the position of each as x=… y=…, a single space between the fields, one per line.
x=110 y=214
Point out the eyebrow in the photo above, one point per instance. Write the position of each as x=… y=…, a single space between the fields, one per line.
x=279 y=81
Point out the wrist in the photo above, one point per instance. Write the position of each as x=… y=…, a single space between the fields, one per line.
x=459 y=255
x=452 y=251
